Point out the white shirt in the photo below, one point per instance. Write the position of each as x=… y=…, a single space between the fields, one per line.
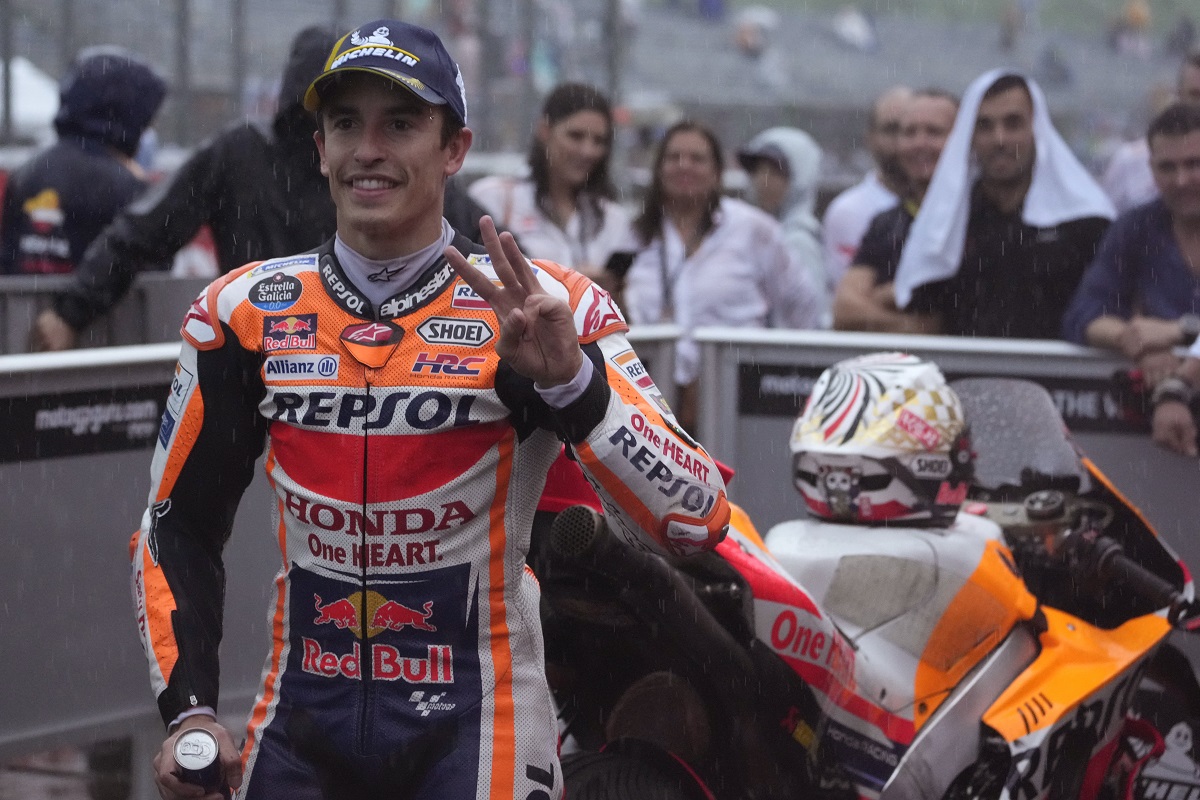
x=1128 y=178
x=741 y=275
x=511 y=203
x=847 y=219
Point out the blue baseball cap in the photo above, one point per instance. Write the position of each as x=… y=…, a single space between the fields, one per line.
x=409 y=55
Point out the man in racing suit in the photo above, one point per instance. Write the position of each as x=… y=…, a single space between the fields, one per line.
x=411 y=401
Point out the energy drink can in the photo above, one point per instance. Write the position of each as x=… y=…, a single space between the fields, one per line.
x=196 y=755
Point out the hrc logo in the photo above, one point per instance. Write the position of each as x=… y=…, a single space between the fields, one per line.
x=447 y=364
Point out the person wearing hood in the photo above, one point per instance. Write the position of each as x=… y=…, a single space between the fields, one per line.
x=784 y=165
x=257 y=186
x=59 y=201
x=1009 y=223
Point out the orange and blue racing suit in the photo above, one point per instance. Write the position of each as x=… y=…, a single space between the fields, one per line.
x=406 y=460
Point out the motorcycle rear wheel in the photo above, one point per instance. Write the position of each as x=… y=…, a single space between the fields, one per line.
x=625 y=776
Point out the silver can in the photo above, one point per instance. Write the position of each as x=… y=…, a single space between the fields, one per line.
x=197 y=756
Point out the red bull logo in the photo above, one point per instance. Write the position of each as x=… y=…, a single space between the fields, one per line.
x=384 y=614
x=387 y=663
x=394 y=617
x=341 y=613
x=293 y=332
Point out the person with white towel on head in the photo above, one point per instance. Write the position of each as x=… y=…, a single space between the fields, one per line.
x=1009 y=223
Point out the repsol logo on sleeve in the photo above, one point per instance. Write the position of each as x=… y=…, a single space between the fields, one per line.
x=423 y=411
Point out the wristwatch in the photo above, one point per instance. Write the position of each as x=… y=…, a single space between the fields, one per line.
x=1173 y=388
x=1189 y=324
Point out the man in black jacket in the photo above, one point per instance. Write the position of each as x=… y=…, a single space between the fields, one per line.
x=259 y=189
x=59 y=200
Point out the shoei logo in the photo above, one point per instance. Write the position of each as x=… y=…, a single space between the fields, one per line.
x=446 y=330
x=434 y=703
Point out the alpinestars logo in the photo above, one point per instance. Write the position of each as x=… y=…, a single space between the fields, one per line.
x=434 y=703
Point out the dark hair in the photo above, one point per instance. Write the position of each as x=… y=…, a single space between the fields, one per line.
x=1006 y=82
x=649 y=222
x=1177 y=119
x=565 y=100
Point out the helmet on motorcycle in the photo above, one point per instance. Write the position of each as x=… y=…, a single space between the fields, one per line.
x=882 y=439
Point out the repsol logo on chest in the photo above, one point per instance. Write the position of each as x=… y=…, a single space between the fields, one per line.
x=424 y=411
x=349 y=299
x=448 y=330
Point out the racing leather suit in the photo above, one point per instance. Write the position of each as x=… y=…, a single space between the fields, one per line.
x=407 y=460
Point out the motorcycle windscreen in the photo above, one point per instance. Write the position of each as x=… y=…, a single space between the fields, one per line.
x=1020 y=440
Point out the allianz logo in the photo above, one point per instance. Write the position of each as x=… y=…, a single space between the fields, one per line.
x=301 y=366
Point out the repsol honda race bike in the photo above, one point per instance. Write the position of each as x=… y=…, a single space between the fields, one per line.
x=1020 y=653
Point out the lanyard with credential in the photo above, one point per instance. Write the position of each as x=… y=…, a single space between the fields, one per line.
x=668 y=280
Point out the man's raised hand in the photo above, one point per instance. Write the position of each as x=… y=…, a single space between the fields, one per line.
x=537 y=330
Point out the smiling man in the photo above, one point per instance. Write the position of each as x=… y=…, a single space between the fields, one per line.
x=1009 y=222
x=1141 y=296
x=866 y=298
x=410 y=399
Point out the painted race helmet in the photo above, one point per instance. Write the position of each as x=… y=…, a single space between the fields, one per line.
x=882 y=440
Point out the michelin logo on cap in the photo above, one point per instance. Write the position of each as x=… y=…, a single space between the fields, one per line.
x=422 y=64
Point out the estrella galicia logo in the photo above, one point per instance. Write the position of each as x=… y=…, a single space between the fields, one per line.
x=275 y=293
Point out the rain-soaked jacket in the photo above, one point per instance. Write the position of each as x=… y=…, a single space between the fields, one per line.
x=406 y=458
x=56 y=203
x=801 y=155
x=258 y=187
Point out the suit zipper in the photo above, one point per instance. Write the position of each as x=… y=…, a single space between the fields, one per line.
x=365 y=661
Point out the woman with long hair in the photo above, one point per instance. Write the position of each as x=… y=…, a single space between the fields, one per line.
x=706 y=259
x=565 y=211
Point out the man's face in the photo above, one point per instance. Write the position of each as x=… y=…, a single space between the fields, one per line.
x=884 y=134
x=1175 y=162
x=923 y=131
x=381 y=148
x=689 y=168
x=770 y=185
x=1189 y=84
x=1003 y=139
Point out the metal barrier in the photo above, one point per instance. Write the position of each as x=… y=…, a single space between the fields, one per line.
x=150 y=312
x=753 y=384
x=74 y=476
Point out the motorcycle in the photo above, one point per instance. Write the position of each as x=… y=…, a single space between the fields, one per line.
x=1023 y=652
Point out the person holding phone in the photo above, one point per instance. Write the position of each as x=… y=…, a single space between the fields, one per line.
x=566 y=210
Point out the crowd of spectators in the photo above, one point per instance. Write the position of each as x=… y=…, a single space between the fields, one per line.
x=976 y=220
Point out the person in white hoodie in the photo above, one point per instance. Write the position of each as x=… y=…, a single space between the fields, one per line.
x=784 y=165
x=707 y=259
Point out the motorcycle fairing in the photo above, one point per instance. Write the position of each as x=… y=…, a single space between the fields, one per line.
x=1071 y=701
x=921 y=607
x=951 y=740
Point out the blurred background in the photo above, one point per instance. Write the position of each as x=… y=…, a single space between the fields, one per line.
x=742 y=67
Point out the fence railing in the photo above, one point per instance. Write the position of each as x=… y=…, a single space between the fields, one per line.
x=74 y=476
